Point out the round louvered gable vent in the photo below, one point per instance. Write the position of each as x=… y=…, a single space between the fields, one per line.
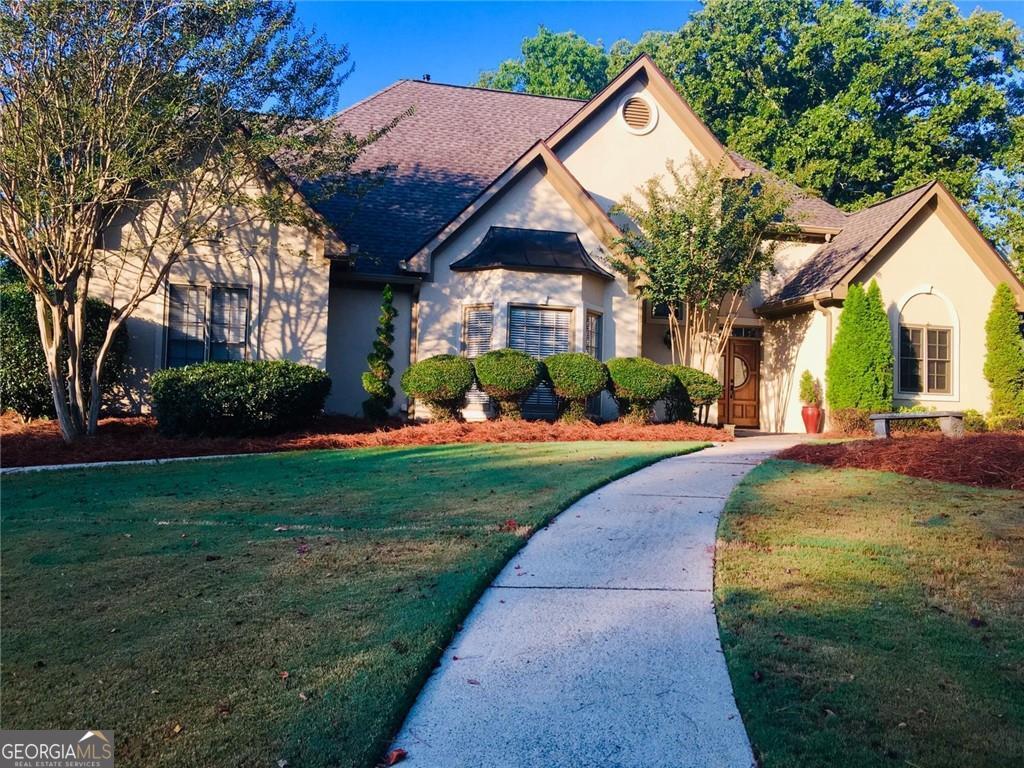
x=638 y=114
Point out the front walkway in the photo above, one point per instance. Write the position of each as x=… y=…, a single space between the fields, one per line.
x=598 y=644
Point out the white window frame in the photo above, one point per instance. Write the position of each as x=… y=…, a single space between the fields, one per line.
x=895 y=316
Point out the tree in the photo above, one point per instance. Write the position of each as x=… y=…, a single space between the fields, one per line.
x=855 y=101
x=553 y=64
x=859 y=372
x=1004 y=355
x=147 y=128
x=377 y=380
x=697 y=247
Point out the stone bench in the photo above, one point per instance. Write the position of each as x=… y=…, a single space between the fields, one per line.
x=950 y=422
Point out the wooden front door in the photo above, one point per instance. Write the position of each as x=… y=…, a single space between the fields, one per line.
x=740 y=404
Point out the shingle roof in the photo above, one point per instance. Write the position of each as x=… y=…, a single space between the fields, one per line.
x=861 y=232
x=456 y=142
x=804 y=208
x=535 y=250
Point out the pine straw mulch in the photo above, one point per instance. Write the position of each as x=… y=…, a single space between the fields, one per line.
x=993 y=460
x=120 y=439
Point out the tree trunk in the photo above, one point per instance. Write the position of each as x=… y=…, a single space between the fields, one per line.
x=50 y=321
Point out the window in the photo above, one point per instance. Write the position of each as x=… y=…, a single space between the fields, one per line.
x=477 y=327
x=206 y=323
x=540 y=332
x=595 y=337
x=925 y=360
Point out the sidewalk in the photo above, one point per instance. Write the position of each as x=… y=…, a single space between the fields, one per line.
x=598 y=644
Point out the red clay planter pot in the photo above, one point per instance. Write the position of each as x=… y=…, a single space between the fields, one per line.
x=812 y=416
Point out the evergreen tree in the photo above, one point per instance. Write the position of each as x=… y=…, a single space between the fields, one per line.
x=860 y=367
x=377 y=380
x=1004 y=355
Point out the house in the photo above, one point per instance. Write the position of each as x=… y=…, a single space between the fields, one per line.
x=491 y=220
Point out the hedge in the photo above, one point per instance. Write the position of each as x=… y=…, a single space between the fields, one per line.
x=575 y=377
x=1004 y=355
x=637 y=383
x=691 y=395
x=441 y=382
x=24 y=384
x=238 y=398
x=507 y=376
x=860 y=366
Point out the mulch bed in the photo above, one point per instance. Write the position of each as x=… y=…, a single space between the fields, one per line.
x=993 y=460
x=120 y=439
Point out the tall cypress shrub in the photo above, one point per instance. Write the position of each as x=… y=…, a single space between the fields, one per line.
x=377 y=380
x=1004 y=355
x=860 y=367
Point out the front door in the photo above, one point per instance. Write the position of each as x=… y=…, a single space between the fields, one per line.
x=739 y=404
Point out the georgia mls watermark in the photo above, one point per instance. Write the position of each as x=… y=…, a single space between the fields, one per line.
x=56 y=749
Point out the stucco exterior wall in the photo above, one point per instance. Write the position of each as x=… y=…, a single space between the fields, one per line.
x=927 y=274
x=531 y=203
x=351 y=330
x=282 y=266
x=790 y=346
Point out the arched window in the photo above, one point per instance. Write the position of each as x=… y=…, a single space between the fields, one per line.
x=926 y=346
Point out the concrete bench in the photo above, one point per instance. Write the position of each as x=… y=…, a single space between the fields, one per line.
x=950 y=422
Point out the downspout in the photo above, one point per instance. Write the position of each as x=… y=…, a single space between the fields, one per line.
x=828 y=341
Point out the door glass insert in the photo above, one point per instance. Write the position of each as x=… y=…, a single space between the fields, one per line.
x=740 y=372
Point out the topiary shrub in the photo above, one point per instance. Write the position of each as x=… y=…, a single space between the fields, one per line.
x=238 y=398
x=24 y=384
x=1004 y=355
x=441 y=382
x=575 y=377
x=860 y=366
x=637 y=384
x=691 y=395
x=507 y=376
x=851 y=421
x=974 y=421
x=810 y=392
x=377 y=380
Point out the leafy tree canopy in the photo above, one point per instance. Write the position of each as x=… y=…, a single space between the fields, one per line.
x=853 y=100
x=553 y=64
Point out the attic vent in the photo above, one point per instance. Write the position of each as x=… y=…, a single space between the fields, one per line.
x=638 y=114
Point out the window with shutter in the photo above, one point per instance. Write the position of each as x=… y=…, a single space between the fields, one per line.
x=477 y=327
x=540 y=333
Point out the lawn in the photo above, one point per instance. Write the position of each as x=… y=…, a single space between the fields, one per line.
x=263 y=608
x=873 y=619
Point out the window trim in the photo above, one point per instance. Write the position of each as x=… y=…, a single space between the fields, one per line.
x=925 y=391
x=895 y=321
x=554 y=307
x=587 y=314
x=208 y=289
x=466 y=309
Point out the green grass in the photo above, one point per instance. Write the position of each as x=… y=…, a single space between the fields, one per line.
x=165 y=603
x=871 y=619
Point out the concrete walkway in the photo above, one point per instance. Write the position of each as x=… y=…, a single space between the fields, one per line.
x=598 y=644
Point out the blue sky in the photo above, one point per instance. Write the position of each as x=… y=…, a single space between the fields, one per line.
x=454 y=41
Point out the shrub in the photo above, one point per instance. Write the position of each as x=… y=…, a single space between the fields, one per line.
x=441 y=382
x=238 y=398
x=974 y=421
x=918 y=426
x=851 y=421
x=377 y=380
x=637 y=383
x=575 y=377
x=692 y=394
x=507 y=376
x=860 y=366
x=810 y=392
x=1004 y=355
x=1005 y=423
x=24 y=384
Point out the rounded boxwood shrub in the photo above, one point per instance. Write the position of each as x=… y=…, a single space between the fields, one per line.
x=692 y=393
x=507 y=376
x=238 y=398
x=441 y=382
x=637 y=383
x=575 y=377
x=24 y=385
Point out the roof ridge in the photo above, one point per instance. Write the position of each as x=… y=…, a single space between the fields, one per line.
x=369 y=98
x=499 y=90
x=895 y=197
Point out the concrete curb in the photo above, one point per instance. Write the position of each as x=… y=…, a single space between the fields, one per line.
x=127 y=463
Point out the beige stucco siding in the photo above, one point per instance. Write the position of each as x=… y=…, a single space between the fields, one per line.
x=790 y=346
x=610 y=162
x=351 y=330
x=927 y=274
x=283 y=268
x=530 y=203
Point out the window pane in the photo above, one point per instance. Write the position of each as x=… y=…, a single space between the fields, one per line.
x=911 y=359
x=479 y=326
x=594 y=335
x=186 y=326
x=938 y=376
x=540 y=333
x=229 y=331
